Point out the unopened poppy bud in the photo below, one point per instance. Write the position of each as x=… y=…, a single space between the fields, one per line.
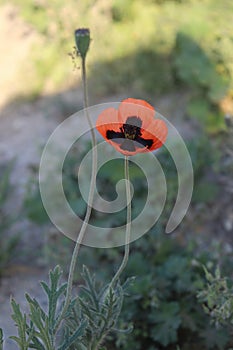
x=82 y=40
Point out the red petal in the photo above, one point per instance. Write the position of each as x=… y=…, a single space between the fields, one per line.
x=139 y=108
x=112 y=119
x=108 y=120
x=157 y=131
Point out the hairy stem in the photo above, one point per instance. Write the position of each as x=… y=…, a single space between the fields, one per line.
x=89 y=203
x=98 y=342
x=128 y=225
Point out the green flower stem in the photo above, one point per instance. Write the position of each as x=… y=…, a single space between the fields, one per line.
x=89 y=203
x=86 y=104
x=128 y=225
x=98 y=342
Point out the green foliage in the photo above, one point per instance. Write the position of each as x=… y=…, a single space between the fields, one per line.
x=208 y=115
x=25 y=334
x=101 y=307
x=33 y=205
x=205 y=192
x=40 y=332
x=60 y=255
x=162 y=299
x=205 y=158
x=197 y=70
x=180 y=39
x=90 y=318
x=217 y=298
x=167 y=321
x=7 y=244
x=122 y=10
x=202 y=62
x=200 y=73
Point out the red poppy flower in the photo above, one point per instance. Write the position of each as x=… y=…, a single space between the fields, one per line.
x=132 y=128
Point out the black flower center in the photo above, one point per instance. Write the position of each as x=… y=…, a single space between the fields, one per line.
x=132 y=128
x=130 y=132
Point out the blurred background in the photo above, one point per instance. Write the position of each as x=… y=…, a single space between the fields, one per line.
x=177 y=55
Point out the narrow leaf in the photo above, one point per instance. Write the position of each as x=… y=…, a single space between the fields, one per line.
x=77 y=334
x=36 y=304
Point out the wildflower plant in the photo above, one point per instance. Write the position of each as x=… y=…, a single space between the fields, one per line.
x=216 y=298
x=84 y=320
x=80 y=322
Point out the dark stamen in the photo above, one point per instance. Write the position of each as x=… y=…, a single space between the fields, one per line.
x=130 y=132
x=132 y=128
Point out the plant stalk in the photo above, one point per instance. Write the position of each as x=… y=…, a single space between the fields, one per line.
x=89 y=203
x=128 y=225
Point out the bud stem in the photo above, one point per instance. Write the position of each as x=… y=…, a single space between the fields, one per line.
x=89 y=204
